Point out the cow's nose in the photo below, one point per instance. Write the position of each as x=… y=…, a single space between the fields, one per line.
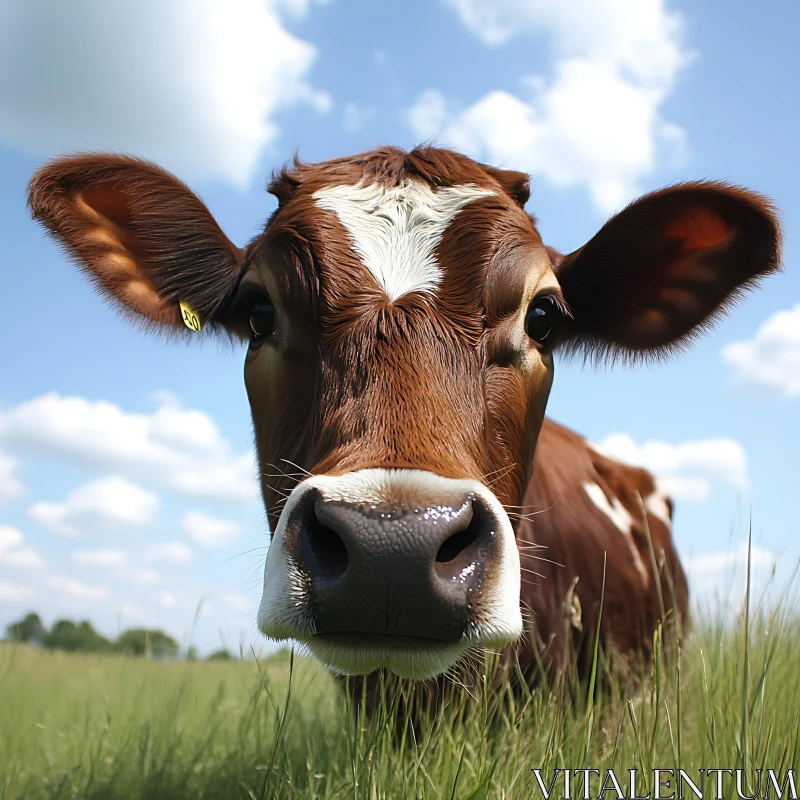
x=399 y=571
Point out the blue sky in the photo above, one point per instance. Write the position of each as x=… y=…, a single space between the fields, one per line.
x=126 y=490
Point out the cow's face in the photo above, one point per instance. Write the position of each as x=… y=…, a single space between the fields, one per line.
x=401 y=312
x=398 y=370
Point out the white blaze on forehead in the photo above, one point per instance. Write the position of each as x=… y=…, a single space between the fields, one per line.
x=396 y=229
x=621 y=518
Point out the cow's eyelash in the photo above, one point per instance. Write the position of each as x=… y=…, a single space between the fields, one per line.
x=557 y=301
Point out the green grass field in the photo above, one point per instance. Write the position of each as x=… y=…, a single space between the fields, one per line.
x=112 y=727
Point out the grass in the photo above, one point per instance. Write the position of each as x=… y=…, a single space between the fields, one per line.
x=74 y=726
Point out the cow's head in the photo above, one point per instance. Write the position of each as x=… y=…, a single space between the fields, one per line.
x=402 y=312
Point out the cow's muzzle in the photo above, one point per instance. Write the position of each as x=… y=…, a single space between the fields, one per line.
x=392 y=568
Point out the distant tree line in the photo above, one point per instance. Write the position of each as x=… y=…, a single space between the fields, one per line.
x=81 y=637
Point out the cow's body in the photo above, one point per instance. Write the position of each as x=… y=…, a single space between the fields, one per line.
x=586 y=509
x=403 y=315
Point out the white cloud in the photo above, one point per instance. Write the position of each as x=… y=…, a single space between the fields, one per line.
x=12 y=592
x=13 y=553
x=195 y=85
x=297 y=8
x=771 y=359
x=428 y=116
x=639 y=35
x=238 y=602
x=106 y=503
x=718 y=580
x=686 y=470
x=10 y=486
x=146 y=577
x=210 y=531
x=719 y=561
x=174 y=552
x=184 y=429
x=9 y=538
x=76 y=588
x=596 y=120
x=99 y=558
x=167 y=599
x=22 y=558
x=179 y=448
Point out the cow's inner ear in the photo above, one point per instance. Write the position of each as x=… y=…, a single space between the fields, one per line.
x=661 y=271
x=144 y=239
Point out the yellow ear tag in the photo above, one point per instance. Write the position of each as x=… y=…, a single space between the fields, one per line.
x=190 y=317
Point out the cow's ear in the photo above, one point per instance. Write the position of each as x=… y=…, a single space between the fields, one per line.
x=515 y=184
x=659 y=272
x=144 y=239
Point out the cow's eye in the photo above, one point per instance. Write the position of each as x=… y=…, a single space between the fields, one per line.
x=262 y=319
x=541 y=318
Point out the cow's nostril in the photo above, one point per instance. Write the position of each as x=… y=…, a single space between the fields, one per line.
x=459 y=551
x=458 y=543
x=327 y=548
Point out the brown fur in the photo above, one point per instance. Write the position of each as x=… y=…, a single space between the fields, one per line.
x=101 y=209
x=575 y=536
x=564 y=542
x=683 y=256
x=452 y=385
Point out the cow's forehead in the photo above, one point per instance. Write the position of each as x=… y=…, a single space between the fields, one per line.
x=395 y=230
x=429 y=229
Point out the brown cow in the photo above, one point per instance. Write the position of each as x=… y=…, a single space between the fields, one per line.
x=579 y=507
x=402 y=314
x=585 y=505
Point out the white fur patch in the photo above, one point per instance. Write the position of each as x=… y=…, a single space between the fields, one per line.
x=395 y=230
x=284 y=613
x=657 y=505
x=614 y=510
x=621 y=518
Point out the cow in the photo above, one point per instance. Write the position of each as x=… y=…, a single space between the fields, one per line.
x=590 y=528
x=596 y=530
x=402 y=314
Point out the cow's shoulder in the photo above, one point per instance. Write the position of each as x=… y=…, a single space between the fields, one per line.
x=568 y=466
